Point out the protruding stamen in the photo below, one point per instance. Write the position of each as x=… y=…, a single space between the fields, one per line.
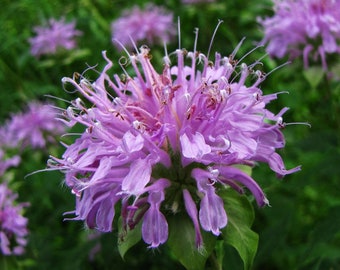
x=213 y=36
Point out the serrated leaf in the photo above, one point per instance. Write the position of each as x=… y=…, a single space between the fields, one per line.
x=128 y=238
x=238 y=232
x=182 y=243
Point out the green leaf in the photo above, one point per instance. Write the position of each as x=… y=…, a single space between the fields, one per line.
x=46 y=63
x=314 y=76
x=75 y=55
x=128 y=238
x=238 y=232
x=182 y=243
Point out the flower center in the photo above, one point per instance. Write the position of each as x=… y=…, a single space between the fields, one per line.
x=180 y=178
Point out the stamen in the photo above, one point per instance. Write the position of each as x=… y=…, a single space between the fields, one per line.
x=166 y=58
x=213 y=36
x=179 y=32
x=57 y=98
x=196 y=38
x=121 y=45
x=248 y=53
x=65 y=80
x=283 y=125
x=133 y=44
x=280 y=66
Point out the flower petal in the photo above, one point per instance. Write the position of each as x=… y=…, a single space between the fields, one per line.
x=155 y=226
x=239 y=176
x=138 y=177
x=195 y=146
x=212 y=214
x=191 y=208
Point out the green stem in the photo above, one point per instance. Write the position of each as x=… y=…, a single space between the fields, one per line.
x=215 y=263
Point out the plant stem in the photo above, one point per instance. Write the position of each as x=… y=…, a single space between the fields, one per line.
x=215 y=264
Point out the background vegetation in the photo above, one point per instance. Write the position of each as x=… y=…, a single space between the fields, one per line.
x=301 y=228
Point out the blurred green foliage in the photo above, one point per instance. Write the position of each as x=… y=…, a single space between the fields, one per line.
x=301 y=229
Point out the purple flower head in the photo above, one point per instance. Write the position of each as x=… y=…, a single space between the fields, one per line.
x=307 y=28
x=35 y=128
x=56 y=35
x=153 y=25
x=5 y=163
x=13 y=226
x=169 y=140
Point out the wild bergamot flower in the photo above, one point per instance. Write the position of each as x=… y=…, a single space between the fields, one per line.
x=56 y=35
x=35 y=127
x=139 y=24
x=6 y=162
x=155 y=142
x=307 y=28
x=13 y=226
